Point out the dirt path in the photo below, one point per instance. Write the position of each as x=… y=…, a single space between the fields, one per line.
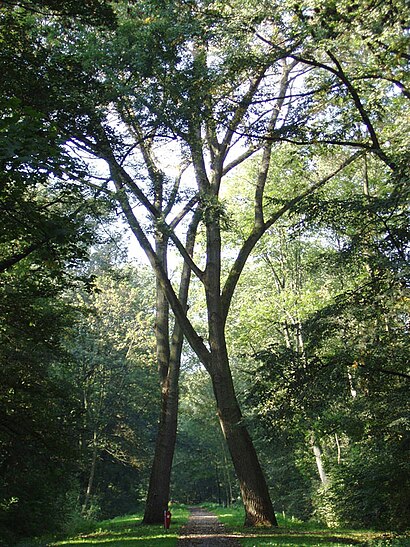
x=204 y=530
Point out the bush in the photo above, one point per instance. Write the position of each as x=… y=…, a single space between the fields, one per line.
x=369 y=489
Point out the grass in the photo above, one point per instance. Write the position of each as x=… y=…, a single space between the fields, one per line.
x=292 y=532
x=128 y=531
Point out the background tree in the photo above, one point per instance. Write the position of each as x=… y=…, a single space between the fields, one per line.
x=202 y=468
x=38 y=434
x=112 y=346
x=349 y=289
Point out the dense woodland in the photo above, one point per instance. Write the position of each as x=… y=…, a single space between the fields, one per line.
x=256 y=350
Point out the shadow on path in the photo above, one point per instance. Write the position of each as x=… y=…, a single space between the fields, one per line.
x=204 y=530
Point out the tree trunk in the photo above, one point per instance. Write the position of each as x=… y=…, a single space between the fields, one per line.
x=319 y=463
x=160 y=478
x=339 y=450
x=254 y=490
x=91 y=476
x=169 y=362
x=218 y=484
x=227 y=475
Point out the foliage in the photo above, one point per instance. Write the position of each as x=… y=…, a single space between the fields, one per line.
x=46 y=216
x=335 y=373
x=96 y=12
x=39 y=410
x=88 y=111
x=41 y=216
x=66 y=375
x=112 y=347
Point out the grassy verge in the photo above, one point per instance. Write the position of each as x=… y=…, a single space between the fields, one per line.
x=292 y=532
x=128 y=531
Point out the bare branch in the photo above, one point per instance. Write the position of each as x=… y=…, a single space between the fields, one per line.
x=12 y=260
x=240 y=159
x=186 y=256
x=194 y=340
x=187 y=208
x=240 y=112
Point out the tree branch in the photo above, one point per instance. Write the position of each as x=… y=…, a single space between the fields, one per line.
x=359 y=106
x=194 y=340
x=240 y=159
x=174 y=191
x=258 y=231
x=240 y=112
x=267 y=149
x=12 y=260
x=386 y=371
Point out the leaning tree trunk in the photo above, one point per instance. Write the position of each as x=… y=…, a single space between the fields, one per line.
x=160 y=478
x=159 y=485
x=252 y=482
x=169 y=362
x=258 y=506
x=254 y=490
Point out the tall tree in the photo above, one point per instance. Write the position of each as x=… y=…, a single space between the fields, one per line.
x=169 y=354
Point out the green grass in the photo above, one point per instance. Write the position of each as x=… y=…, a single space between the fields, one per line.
x=292 y=532
x=129 y=532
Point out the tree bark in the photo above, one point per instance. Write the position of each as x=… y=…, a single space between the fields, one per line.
x=91 y=476
x=319 y=463
x=169 y=362
x=160 y=478
x=254 y=490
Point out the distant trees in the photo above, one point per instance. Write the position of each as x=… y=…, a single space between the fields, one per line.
x=112 y=346
x=78 y=395
x=45 y=235
x=39 y=410
x=202 y=469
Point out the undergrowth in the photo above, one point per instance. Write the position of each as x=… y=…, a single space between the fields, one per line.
x=125 y=531
x=291 y=532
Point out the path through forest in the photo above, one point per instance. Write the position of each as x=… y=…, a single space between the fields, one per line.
x=204 y=530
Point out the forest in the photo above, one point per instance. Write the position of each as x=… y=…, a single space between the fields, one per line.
x=204 y=280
